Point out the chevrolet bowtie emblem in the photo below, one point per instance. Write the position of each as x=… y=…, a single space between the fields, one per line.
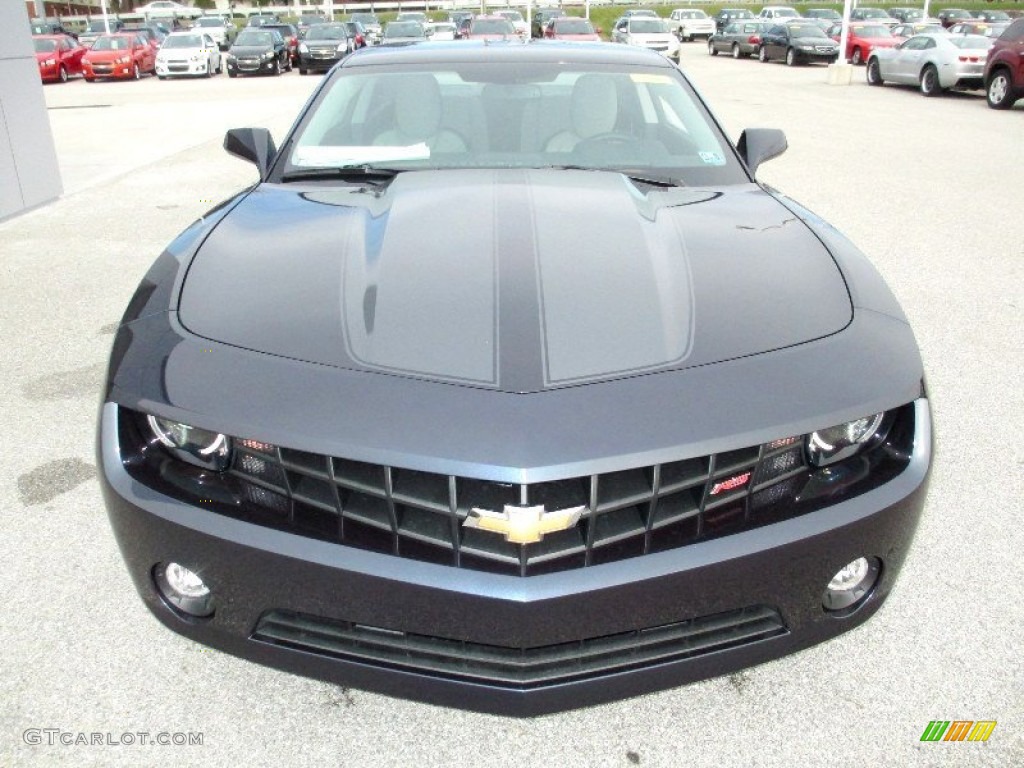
x=523 y=525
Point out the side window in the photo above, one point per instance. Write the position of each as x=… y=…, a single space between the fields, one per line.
x=928 y=43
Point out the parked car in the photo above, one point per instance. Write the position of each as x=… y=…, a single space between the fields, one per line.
x=490 y=28
x=541 y=17
x=934 y=63
x=358 y=33
x=991 y=29
x=728 y=15
x=645 y=32
x=571 y=28
x=1004 y=68
x=153 y=34
x=307 y=20
x=58 y=57
x=290 y=34
x=874 y=15
x=950 y=16
x=262 y=19
x=121 y=56
x=906 y=15
x=650 y=419
x=258 y=51
x=740 y=38
x=167 y=9
x=418 y=16
x=403 y=33
x=215 y=27
x=862 y=39
x=690 y=23
x=997 y=16
x=324 y=46
x=797 y=43
x=192 y=52
x=98 y=27
x=902 y=32
x=517 y=21
x=778 y=13
x=372 y=25
x=51 y=27
x=823 y=17
x=443 y=31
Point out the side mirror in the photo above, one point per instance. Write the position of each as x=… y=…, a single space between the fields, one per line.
x=253 y=144
x=756 y=145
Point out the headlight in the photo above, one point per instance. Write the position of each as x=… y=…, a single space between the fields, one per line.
x=194 y=57
x=210 y=450
x=342 y=47
x=303 y=48
x=124 y=60
x=231 y=57
x=827 y=446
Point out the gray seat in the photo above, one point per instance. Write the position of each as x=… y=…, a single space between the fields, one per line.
x=417 y=118
x=593 y=110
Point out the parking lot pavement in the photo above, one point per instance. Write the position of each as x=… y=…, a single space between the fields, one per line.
x=928 y=188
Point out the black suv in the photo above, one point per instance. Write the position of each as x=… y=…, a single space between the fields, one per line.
x=1004 y=70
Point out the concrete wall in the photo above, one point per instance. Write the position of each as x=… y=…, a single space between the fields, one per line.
x=29 y=175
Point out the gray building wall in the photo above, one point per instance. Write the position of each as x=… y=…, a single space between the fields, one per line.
x=29 y=175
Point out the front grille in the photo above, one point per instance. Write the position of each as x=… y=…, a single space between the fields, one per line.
x=423 y=515
x=519 y=668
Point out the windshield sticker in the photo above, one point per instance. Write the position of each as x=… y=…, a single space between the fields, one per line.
x=712 y=158
x=319 y=157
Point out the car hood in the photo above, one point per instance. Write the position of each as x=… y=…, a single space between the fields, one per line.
x=519 y=281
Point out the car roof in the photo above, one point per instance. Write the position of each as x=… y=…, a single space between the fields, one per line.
x=468 y=51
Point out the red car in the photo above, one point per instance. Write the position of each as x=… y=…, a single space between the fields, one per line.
x=570 y=28
x=863 y=39
x=59 y=56
x=490 y=28
x=125 y=55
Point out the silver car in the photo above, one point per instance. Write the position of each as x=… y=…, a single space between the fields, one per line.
x=741 y=38
x=647 y=32
x=934 y=63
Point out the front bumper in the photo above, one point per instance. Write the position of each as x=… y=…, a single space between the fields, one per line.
x=319 y=62
x=451 y=636
x=251 y=67
x=108 y=70
x=182 y=68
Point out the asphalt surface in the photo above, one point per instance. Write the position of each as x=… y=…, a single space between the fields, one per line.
x=929 y=188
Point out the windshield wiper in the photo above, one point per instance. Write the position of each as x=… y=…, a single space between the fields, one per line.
x=633 y=174
x=371 y=174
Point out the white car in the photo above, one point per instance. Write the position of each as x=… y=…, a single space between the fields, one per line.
x=188 y=53
x=518 y=22
x=646 y=32
x=932 y=62
x=443 y=31
x=688 y=23
x=167 y=9
x=778 y=13
x=215 y=27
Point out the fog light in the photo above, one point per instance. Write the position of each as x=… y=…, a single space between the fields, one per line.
x=184 y=589
x=851 y=584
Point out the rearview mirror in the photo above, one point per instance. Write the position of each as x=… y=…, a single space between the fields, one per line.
x=756 y=145
x=253 y=144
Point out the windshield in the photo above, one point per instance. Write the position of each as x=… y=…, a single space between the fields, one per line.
x=512 y=15
x=254 y=37
x=45 y=46
x=807 y=30
x=491 y=27
x=99 y=26
x=327 y=32
x=573 y=27
x=365 y=18
x=970 y=43
x=873 y=13
x=786 y=13
x=513 y=115
x=112 y=43
x=183 y=41
x=404 y=29
x=647 y=26
x=872 y=30
x=209 y=23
